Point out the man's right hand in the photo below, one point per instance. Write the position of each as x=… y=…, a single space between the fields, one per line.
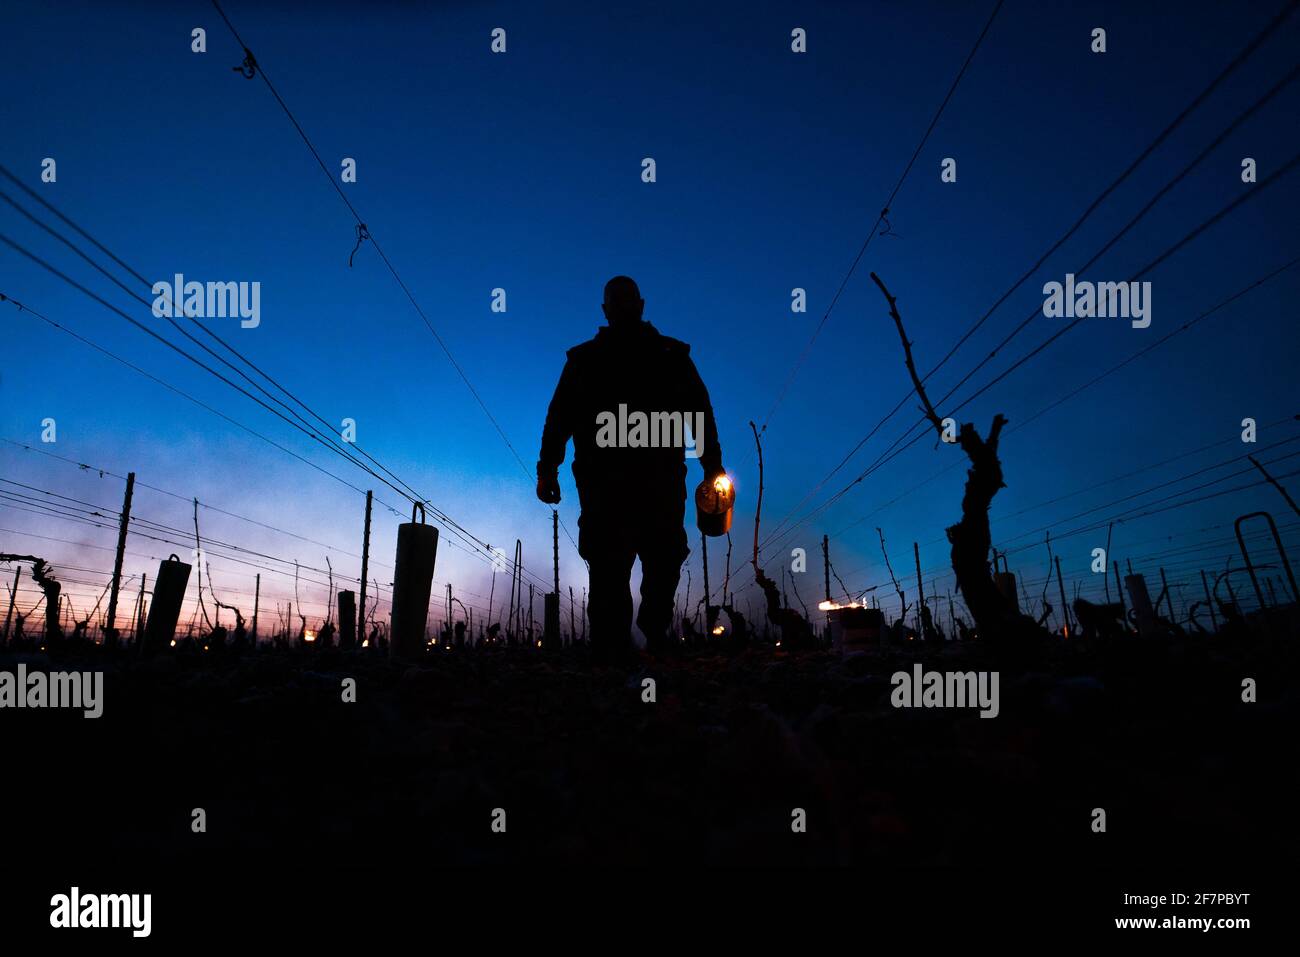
x=548 y=488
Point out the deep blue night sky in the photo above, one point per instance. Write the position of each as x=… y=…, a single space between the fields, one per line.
x=523 y=171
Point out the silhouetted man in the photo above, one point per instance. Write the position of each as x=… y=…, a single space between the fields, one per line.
x=629 y=398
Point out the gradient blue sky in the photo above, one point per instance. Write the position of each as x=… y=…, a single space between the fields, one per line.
x=522 y=171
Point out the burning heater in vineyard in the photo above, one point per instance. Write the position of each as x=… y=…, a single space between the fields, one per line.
x=854 y=626
x=713 y=504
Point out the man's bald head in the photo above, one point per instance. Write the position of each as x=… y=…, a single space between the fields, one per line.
x=623 y=303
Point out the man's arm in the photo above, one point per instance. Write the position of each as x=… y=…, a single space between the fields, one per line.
x=555 y=436
x=559 y=421
x=710 y=449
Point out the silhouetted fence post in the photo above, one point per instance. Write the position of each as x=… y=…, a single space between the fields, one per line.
x=365 y=559
x=1169 y=597
x=704 y=563
x=1104 y=577
x=13 y=595
x=1065 y=609
x=551 y=602
x=137 y=625
x=1214 y=618
x=417 y=550
x=1119 y=595
x=826 y=566
x=492 y=592
x=110 y=630
x=257 y=601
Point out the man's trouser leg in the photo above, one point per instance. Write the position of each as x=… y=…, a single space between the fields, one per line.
x=610 y=602
x=609 y=559
x=662 y=550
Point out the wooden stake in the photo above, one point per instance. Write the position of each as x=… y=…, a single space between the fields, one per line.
x=365 y=568
x=1214 y=619
x=1104 y=577
x=110 y=632
x=18 y=573
x=726 y=575
x=1119 y=594
x=920 y=591
x=826 y=565
x=704 y=563
x=1065 y=609
x=137 y=629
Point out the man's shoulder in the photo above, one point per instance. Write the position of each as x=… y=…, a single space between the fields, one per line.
x=583 y=349
x=668 y=343
x=652 y=340
x=675 y=346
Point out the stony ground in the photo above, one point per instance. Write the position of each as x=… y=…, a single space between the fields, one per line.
x=709 y=773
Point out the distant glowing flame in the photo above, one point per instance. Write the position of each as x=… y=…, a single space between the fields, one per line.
x=365 y=643
x=539 y=644
x=173 y=642
x=718 y=629
x=722 y=485
x=309 y=635
x=836 y=606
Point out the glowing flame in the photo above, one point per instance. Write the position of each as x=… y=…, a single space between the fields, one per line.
x=365 y=643
x=309 y=635
x=722 y=485
x=836 y=606
x=173 y=643
x=539 y=644
x=718 y=629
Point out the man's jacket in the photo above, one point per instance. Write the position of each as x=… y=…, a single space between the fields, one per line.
x=606 y=382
